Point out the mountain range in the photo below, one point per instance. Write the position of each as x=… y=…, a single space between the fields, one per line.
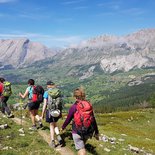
x=116 y=71
x=110 y=53
x=21 y=53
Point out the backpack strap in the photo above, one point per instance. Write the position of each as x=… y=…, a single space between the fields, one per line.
x=30 y=94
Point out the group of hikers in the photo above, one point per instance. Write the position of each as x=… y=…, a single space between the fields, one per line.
x=81 y=114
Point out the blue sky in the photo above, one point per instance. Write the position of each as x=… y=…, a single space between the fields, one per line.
x=59 y=23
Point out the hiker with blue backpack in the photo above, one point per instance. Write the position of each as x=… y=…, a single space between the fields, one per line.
x=5 y=93
x=84 y=125
x=35 y=97
x=53 y=108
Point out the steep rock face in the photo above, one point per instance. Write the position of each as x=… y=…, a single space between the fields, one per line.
x=113 y=53
x=141 y=53
x=124 y=63
x=22 y=52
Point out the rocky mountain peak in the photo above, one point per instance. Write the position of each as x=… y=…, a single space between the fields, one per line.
x=113 y=53
x=22 y=52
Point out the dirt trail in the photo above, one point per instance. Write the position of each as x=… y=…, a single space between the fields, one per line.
x=62 y=150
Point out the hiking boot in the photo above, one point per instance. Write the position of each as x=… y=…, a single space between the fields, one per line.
x=60 y=140
x=52 y=144
x=41 y=125
x=25 y=106
x=33 y=128
x=10 y=116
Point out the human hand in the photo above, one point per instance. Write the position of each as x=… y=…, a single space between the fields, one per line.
x=62 y=130
x=42 y=117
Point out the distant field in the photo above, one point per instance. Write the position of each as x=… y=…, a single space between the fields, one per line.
x=107 y=92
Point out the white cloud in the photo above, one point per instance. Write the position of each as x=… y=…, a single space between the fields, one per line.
x=48 y=40
x=110 y=5
x=33 y=16
x=2 y=15
x=7 y=1
x=133 y=11
x=72 y=2
x=81 y=7
x=105 y=14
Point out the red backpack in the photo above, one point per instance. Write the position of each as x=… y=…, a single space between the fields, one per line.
x=83 y=118
x=38 y=93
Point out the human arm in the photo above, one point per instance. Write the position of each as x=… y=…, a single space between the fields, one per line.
x=44 y=104
x=1 y=88
x=44 y=108
x=96 y=135
x=70 y=116
x=25 y=94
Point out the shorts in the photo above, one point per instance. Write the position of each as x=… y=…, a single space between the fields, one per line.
x=51 y=119
x=33 y=106
x=78 y=141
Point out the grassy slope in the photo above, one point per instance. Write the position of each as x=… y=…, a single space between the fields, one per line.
x=31 y=143
x=138 y=127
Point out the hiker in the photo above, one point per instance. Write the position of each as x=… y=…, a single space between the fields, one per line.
x=5 y=93
x=79 y=135
x=32 y=106
x=53 y=107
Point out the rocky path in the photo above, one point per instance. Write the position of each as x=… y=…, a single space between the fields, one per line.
x=62 y=150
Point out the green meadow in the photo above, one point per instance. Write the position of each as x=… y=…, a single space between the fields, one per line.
x=119 y=131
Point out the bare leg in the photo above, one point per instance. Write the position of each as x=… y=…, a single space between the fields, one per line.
x=52 y=126
x=82 y=151
x=32 y=115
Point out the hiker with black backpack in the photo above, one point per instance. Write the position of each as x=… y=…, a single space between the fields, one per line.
x=84 y=125
x=5 y=93
x=35 y=97
x=53 y=108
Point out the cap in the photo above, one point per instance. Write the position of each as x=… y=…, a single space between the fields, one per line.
x=50 y=83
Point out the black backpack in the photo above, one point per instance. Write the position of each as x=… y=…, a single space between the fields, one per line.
x=38 y=92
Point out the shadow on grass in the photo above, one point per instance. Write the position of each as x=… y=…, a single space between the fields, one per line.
x=67 y=135
x=45 y=128
x=91 y=149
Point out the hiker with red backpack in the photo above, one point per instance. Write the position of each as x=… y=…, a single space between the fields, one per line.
x=84 y=125
x=34 y=100
x=5 y=93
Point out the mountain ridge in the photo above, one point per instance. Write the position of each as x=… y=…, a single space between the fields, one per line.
x=22 y=52
x=112 y=53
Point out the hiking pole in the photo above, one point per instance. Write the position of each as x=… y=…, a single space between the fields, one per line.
x=20 y=102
